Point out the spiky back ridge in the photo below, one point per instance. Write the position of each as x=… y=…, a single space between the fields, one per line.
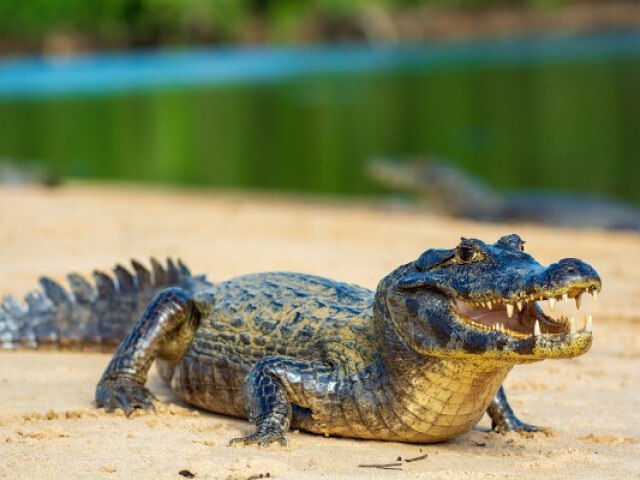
x=89 y=315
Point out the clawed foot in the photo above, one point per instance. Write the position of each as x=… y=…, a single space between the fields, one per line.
x=503 y=419
x=262 y=440
x=125 y=394
x=512 y=424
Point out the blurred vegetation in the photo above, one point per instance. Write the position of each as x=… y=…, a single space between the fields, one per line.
x=135 y=23
x=562 y=126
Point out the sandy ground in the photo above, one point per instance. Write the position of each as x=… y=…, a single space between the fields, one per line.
x=50 y=429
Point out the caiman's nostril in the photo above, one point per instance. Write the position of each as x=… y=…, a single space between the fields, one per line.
x=570 y=265
x=571 y=270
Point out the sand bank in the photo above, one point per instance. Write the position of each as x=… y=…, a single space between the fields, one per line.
x=49 y=428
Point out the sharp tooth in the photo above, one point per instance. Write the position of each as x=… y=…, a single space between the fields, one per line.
x=510 y=310
x=502 y=328
x=552 y=303
x=519 y=306
x=533 y=297
x=565 y=297
x=572 y=325
x=578 y=300
x=489 y=304
x=536 y=329
x=484 y=304
x=594 y=292
x=588 y=323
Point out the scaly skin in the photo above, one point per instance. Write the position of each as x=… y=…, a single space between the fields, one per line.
x=88 y=317
x=420 y=361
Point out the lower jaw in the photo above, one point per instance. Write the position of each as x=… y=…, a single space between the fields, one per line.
x=542 y=347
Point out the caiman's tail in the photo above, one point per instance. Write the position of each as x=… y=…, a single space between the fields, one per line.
x=89 y=315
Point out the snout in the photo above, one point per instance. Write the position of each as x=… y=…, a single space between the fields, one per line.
x=568 y=273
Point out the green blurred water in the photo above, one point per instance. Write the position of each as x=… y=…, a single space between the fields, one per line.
x=572 y=126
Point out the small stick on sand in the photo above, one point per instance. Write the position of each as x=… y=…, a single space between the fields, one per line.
x=384 y=466
x=415 y=459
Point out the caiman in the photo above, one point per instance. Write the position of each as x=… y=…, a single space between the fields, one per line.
x=454 y=192
x=420 y=360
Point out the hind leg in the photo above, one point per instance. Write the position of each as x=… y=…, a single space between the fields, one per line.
x=164 y=331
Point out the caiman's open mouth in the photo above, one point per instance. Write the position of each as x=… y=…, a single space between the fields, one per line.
x=523 y=318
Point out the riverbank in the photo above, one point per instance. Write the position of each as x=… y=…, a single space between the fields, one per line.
x=49 y=428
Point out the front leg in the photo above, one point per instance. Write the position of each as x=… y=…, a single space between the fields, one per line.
x=502 y=417
x=271 y=387
x=164 y=331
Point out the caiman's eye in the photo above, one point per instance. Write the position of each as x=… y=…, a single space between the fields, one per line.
x=466 y=253
x=522 y=247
